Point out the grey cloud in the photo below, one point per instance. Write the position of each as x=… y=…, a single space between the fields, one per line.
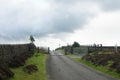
x=62 y=23
x=107 y=5
x=19 y=21
x=69 y=23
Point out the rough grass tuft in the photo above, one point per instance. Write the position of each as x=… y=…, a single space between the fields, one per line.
x=40 y=62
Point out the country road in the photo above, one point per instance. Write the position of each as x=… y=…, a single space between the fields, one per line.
x=60 y=67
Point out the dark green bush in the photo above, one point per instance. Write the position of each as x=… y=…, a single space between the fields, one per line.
x=103 y=60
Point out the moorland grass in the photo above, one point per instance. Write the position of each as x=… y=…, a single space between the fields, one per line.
x=37 y=59
x=103 y=69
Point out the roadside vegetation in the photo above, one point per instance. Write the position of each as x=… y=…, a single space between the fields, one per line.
x=22 y=61
x=61 y=51
x=103 y=69
x=102 y=58
x=100 y=63
x=13 y=56
x=107 y=63
x=39 y=60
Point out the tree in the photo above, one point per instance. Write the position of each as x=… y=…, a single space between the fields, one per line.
x=76 y=44
x=32 y=39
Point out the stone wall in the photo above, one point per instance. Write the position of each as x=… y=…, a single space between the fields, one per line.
x=7 y=52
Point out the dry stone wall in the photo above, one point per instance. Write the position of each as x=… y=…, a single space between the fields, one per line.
x=8 y=52
x=13 y=56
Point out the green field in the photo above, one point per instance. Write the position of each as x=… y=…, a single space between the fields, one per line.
x=61 y=51
x=40 y=61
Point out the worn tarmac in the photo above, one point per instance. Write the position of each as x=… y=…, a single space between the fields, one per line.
x=60 y=67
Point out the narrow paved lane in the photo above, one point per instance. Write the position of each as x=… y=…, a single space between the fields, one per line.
x=60 y=67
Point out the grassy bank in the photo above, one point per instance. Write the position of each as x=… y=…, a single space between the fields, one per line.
x=39 y=61
x=98 y=68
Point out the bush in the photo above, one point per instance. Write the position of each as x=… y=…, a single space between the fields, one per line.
x=13 y=56
x=116 y=66
x=19 y=60
x=103 y=60
x=30 y=68
x=5 y=73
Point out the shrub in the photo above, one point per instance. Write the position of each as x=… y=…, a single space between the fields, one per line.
x=5 y=73
x=30 y=68
x=104 y=59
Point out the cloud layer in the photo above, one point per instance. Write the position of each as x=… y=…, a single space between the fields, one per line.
x=21 y=18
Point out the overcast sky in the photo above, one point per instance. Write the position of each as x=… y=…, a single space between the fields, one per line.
x=54 y=22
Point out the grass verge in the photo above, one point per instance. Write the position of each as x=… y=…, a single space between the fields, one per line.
x=100 y=68
x=72 y=55
x=39 y=61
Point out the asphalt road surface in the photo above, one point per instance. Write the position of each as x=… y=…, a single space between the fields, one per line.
x=60 y=67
